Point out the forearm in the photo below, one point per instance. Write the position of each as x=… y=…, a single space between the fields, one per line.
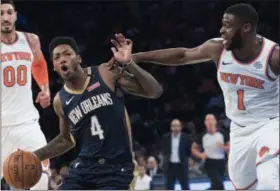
x=148 y=83
x=171 y=56
x=40 y=73
x=56 y=147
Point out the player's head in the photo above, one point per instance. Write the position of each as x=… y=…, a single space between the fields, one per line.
x=8 y=16
x=65 y=55
x=210 y=123
x=239 y=21
x=176 y=126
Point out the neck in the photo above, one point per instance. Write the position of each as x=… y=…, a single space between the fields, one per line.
x=176 y=133
x=9 y=38
x=78 y=81
x=249 y=50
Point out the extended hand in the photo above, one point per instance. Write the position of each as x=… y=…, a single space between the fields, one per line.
x=122 y=49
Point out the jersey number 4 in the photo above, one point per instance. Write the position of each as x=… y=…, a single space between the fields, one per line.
x=96 y=128
x=13 y=76
x=240 y=94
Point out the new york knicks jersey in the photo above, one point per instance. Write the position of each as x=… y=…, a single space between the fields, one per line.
x=97 y=120
x=251 y=90
x=17 y=99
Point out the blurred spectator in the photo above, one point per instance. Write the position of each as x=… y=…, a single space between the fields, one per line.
x=214 y=144
x=176 y=151
x=143 y=181
x=152 y=167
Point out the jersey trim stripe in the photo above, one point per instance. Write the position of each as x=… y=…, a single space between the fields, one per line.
x=268 y=60
x=220 y=58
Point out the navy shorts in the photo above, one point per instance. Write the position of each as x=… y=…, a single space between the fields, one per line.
x=92 y=175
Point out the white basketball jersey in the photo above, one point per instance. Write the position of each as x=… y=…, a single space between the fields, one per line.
x=251 y=90
x=17 y=99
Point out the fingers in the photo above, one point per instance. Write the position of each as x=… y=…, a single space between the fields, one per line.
x=38 y=97
x=115 y=43
x=121 y=39
x=114 y=50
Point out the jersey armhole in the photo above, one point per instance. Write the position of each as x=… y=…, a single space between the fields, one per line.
x=268 y=72
x=220 y=58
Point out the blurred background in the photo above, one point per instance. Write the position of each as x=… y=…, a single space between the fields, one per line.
x=190 y=92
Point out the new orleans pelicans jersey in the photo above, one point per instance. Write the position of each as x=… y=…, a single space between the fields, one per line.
x=17 y=99
x=251 y=90
x=97 y=121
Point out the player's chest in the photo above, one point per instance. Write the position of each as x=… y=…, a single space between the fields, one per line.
x=79 y=107
x=234 y=75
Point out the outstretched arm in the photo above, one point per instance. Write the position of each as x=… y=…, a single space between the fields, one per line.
x=61 y=143
x=210 y=50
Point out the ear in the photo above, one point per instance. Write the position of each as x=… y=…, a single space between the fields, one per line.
x=247 y=27
x=79 y=58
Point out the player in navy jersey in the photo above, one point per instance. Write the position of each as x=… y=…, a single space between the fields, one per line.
x=92 y=115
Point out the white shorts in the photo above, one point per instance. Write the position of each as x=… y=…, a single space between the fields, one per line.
x=249 y=147
x=27 y=136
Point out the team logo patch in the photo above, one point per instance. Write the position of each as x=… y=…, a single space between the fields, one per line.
x=263 y=150
x=257 y=66
x=93 y=86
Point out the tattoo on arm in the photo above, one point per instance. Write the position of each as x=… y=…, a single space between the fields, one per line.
x=56 y=147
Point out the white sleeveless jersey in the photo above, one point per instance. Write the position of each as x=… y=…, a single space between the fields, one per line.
x=251 y=90
x=17 y=99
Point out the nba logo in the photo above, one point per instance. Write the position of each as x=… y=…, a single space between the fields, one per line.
x=257 y=66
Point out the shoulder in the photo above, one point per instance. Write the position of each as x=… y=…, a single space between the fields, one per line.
x=213 y=47
x=57 y=105
x=33 y=38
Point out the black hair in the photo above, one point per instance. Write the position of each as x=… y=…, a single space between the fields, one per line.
x=244 y=12
x=8 y=2
x=63 y=40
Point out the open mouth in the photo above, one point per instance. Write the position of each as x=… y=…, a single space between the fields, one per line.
x=64 y=69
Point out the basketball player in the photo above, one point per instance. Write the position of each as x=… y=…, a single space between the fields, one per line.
x=248 y=73
x=21 y=56
x=91 y=107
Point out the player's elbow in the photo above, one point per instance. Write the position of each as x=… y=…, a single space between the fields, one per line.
x=156 y=92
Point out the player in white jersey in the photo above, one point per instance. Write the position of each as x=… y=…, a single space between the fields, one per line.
x=21 y=56
x=248 y=69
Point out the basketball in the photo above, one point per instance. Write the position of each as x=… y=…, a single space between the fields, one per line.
x=22 y=169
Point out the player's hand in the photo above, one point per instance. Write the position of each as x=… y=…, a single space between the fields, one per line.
x=203 y=156
x=122 y=50
x=44 y=99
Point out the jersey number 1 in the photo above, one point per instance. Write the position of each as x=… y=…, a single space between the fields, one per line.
x=96 y=128
x=13 y=76
x=240 y=94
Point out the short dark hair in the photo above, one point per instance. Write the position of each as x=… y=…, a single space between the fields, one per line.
x=56 y=41
x=8 y=2
x=244 y=12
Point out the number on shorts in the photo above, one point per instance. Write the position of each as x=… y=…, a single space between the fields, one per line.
x=240 y=94
x=96 y=128
x=12 y=76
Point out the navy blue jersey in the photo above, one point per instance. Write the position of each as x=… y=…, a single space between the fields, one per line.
x=97 y=120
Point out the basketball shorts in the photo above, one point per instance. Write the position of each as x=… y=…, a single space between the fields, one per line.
x=91 y=175
x=250 y=147
x=27 y=136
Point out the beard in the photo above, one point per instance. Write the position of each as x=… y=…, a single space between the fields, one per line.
x=236 y=41
x=7 y=30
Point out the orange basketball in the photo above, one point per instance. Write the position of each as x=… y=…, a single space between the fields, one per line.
x=22 y=169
